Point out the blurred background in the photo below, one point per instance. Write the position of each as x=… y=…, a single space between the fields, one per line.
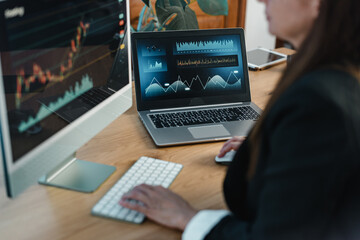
x=248 y=14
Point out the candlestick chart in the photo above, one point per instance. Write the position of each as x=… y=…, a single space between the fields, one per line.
x=207 y=62
x=44 y=76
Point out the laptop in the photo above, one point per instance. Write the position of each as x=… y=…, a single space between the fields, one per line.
x=193 y=86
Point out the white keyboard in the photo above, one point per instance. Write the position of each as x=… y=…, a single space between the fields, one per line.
x=145 y=170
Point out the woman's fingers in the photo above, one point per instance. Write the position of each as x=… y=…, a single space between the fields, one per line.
x=232 y=144
x=142 y=193
x=134 y=206
x=160 y=205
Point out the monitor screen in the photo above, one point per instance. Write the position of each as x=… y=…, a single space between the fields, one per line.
x=54 y=53
x=51 y=53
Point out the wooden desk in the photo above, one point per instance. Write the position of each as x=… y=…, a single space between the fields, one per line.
x=52 y=213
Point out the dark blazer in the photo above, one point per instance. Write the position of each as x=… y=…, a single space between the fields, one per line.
x=307 y=180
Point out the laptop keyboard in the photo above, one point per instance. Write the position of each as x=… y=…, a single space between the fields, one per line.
x=178 y=119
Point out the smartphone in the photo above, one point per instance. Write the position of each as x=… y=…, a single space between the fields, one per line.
x=261 y=58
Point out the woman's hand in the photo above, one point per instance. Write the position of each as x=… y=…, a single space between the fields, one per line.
x=232 y=144
x=160 y=205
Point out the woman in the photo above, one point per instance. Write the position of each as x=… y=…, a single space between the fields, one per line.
x=297 y=174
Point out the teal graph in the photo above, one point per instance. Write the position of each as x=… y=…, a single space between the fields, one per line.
x=205 y=45
x=156 y=65
x=213 y=83
x=44 y=111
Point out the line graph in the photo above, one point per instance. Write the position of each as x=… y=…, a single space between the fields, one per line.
x=206 y=46
x=44 y=111
x=42 y=76
x=155 y=88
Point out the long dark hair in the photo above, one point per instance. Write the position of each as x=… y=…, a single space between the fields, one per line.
x=334 y=40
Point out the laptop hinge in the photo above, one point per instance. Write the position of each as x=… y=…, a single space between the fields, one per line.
x=194 y=107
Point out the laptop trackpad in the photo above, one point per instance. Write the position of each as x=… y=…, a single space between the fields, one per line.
x=209 y=131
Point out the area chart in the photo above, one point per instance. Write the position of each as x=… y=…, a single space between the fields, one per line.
x=206 y=46
x=44 y=111
x=212 y=83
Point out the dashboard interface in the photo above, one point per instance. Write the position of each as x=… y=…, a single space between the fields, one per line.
x=190 y=67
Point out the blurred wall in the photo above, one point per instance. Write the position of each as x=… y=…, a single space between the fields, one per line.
x=256 y=27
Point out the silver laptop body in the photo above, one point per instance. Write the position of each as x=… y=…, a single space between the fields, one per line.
x=186 y=77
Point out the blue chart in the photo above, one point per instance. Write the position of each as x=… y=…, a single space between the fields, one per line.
x=44 y=111
x=156 y=65
x=206 y=46
x=182 y=85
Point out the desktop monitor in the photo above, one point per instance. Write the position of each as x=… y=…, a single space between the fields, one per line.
x=65 y=74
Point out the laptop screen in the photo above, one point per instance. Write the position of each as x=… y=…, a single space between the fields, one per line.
x=191 y=68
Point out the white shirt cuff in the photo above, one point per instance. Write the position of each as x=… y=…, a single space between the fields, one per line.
x=202 y=223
